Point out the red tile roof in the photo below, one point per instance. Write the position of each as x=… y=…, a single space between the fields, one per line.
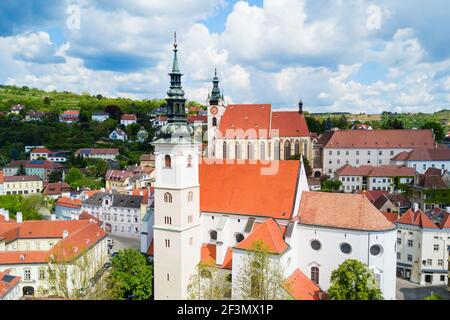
x=87 y=216
x=147 y=157
x=391 y=216
x=373 y=195
x=96 y=151
x=445 y=223
x=242 y=189
x=423 y=154
x=380 y=171
x=337 y=210
x=150 y=249
x=2 y=179
x=56 y=188
x=68 y=202
x=40 y=150
x=268 y=232
x=118 y=175
x=389 y=139
x=289 y=124
x=252 y=117
x=21 y=178
x=418 y=218
x=129 y=117
x=71 y=112
x=300 y=287
x=7 y=285
x=208 y=256
x=193 y=119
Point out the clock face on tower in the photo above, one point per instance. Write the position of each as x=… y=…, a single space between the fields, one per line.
x=214 y=110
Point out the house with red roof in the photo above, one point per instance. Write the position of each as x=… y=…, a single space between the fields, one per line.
x=67 y=208
x=28 y=247
x=422 y=159
x=9 y=286
x=423 y=248
x=69 y=116
x=371 y=147
x=128 y=119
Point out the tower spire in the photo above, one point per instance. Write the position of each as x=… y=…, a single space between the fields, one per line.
x=215 y=92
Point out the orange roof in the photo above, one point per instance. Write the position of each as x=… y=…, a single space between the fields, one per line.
x=40 y=150
x=150 y=249
x=382 y=139
x=445 y=223
x=270 y=233
x=208 y=256
x=7 y=283
x=380 y=171
x=242 y=189
x=290 y=124
x=129 y=117
x=1 y=177
x=71 y=112
x=87 y=216
x=300 y=287
x=391 y=216
x=68 y=202
x=373 y=195
x=18 y=257
x=245 y=117
x=337 y=210
x=418 y=218
x=90 y=193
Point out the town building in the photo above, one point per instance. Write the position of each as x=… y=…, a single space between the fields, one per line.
x=9 y=286
x=255 y=131
x=119 y=135
x=371 y=147
x=69 y=116
x=215 y=212
x=423 y=159
x=367 y=177
x=392 y=203
x=40 y=153
x=100 y=116
x=119 y=180
x=92 y=153
x=16 y=109
x=361 y=126
x=35 y=116
x=22 y=185
x=56 y=190
x=142 y=135
x=422 y=248
x=40 y=168
x=431 y=189
x=120 y=213
x=147 y=160
x=128 y=119
x=159 y=121
x=67 y=208
x=27 y=247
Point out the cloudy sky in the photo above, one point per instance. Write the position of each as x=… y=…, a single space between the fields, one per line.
x=337 y=55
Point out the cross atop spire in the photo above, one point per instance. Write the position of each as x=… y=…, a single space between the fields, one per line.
x=175 y=45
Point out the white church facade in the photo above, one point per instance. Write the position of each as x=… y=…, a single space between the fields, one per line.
x=210 y=211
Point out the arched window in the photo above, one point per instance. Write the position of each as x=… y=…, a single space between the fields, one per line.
x=237 y=150
x=214 y=122
x=262 y=151
x=225 y=149
x=190 y=196
x=249 y=151
x=189 y=161
x=297 y=147
x=276 y=150
x=315 y=274
x=167 y=161
x=287 y=150
x=167 y=197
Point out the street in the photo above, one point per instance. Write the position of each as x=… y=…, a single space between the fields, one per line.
x=410 y=291
x=123 y=243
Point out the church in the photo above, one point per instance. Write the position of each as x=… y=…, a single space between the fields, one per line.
x=214 y=211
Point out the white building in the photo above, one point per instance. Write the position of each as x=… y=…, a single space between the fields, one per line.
x=119 y=135
x=368 y=177
x=92 y=153
x=422 y=248
x=100 y=116
x=39 y=153
x=26 y=248
x=371 y=147
x=423 y=159
x=215 y=212
x=22 y=185
x=128 y=119
x=9 y=286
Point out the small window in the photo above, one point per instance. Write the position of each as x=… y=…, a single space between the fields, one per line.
x=214 y=122
x=167 y=197
x=316 y=245
x=375 y=250
x=315 y=274
x=346 y=248
x=213 y=235
x=189 y=161
x=167 y=161
x=190 y=196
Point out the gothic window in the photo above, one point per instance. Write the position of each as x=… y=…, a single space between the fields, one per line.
x=190 y=196
x=249 y=151
x=167 y=161
x=214 y=122
x=189 y=160
x=315 y=274
x=262 y=151
x=297 y=147
x=225 y=150
x=167 y=197
x=287 y=150
x=237 y=150
x=276 y=150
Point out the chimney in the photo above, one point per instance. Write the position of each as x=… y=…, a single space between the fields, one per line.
x=53 y=217
x=19 y=217
x=65 y=234
x=415 y=206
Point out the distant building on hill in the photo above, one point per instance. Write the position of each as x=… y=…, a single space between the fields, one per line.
x=69 y=116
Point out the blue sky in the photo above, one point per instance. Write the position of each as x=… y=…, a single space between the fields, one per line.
x=335 y=55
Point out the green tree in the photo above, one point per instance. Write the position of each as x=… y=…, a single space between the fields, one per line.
x=330 y=185
x=131 y=276
x=433 y=296
x=207 y=283
x=21 y=171
x=260 y=277
x=55 y=176
x=353 y=280
x=438 y=129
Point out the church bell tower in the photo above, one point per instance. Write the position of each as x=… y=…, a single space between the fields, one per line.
x=176 y=230
x=216 y=109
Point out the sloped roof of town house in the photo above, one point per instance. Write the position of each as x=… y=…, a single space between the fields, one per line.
x=2 y=179
x=87 y=216
x=425 y=154
x=242 y=189
x=193 y=119
x=243 y=117
x=372 y=195
x=68 y=202
x=118 y=175
x=7 y=282
x=395 y=199
x=55 y=188
x=337 y=210
x=208 y=256
x=128 y=117
x=256 y=117
x=97 y=151
x=290 y=124
x=417 y=218
x=22 y=178
x=380 y=171
x=40 y=150
x=431 y=180
x=268 y=232
x=147 y=157
x=388 y=139
x=445 y=223
x=402 y=156
x=71 y=112
x=120 y=132
x=100 y=114
x=300 y=287
x=118 y=200
x=391 y=216
x=82 y=235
